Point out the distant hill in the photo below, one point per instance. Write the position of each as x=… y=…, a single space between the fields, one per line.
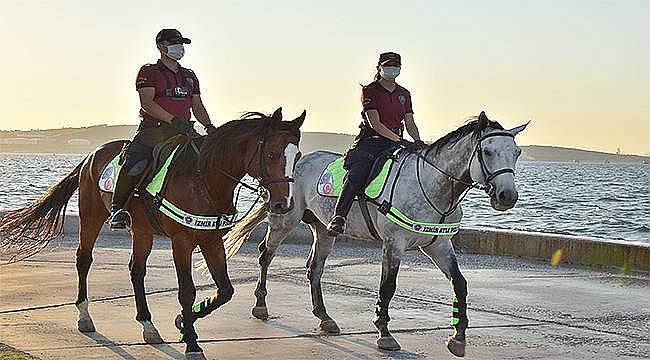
x=83 y=140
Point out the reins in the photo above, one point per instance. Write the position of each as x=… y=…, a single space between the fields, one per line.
x=453 y=205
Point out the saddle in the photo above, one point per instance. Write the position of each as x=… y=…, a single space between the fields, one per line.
x=160 y=154
x=331 y=180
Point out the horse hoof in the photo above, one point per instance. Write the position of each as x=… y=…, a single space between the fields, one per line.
x=178 y=322
x=329 y=327
x=388 y=343
x=86 y=325
x=150 y=334
x=456 y=347
x=261 y=312
x=196 y=355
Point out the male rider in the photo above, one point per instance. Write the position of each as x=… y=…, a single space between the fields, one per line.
x=167 y=93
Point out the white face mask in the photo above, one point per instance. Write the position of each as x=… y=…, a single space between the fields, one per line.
x=175 y=51
x=389 y=72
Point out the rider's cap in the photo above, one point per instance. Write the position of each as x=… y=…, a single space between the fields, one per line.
x=390 y=59
x=171 y=35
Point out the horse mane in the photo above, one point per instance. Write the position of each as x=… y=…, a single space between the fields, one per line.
x=473 y=126
x=228 y=137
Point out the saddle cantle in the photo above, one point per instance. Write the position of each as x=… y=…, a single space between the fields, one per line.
x=331 y=179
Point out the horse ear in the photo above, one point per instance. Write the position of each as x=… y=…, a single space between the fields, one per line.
x=482 y=117
x=297 y=122
x=518 y=129
x=277 y=114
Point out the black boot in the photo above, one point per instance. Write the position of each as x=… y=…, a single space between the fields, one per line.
x=121 y=195
x=343 y=205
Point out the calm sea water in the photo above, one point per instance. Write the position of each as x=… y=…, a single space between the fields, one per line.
x=602 y=200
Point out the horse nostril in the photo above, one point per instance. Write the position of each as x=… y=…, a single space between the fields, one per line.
x=279 y=206
x=507 y=197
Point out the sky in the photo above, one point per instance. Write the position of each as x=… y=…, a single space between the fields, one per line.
x=580 y=70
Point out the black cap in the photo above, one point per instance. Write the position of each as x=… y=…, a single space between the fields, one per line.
x=390 y=58
x=171 y=35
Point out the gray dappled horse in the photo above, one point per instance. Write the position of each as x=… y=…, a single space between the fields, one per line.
x=431 y=184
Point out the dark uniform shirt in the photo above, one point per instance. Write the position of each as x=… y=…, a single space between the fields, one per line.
x=392 y=106
x=174 y=90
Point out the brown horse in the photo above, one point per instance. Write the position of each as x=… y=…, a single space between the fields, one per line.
x=265 y=147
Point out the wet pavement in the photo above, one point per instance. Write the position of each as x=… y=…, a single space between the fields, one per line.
x=517 y=309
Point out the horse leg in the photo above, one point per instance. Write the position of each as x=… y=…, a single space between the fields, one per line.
x=142 y=243
x=279 y=228
x=389 y=268
x=182 y=251
x=442 y=254
x=321 y=247
x=88 y=231
x=92 y=215
x=215 y=258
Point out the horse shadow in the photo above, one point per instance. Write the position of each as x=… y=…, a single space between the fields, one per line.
x=117 y=348
x=350 y=338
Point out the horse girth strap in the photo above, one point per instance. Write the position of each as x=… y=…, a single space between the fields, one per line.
x=363 y=205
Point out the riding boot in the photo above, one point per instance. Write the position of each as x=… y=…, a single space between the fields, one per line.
x=121 y=195
x=343 y=205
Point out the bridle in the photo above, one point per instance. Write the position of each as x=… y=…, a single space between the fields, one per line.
x=261 y=143
x=261 y=191
x=487 y=174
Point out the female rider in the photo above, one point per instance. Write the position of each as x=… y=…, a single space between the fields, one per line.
x=386 y=110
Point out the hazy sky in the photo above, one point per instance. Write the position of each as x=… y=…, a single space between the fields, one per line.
x=579 y=69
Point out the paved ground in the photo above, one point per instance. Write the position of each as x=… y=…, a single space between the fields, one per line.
x=517 y=309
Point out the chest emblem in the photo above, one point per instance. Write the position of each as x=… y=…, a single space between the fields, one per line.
x=402 y=99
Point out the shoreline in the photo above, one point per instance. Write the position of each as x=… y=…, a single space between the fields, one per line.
x=575 y=250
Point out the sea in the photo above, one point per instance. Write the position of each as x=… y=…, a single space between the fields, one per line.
x=607 y=201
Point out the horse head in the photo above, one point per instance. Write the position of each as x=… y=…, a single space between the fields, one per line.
x=275 y=158
x=493 y=163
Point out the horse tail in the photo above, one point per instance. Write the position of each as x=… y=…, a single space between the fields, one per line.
x=26 y=231
x=238 y=235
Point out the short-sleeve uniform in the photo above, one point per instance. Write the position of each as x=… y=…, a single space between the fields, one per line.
x=392 y=107
x=174 y=90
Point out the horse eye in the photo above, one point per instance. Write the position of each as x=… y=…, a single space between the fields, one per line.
x=271 y=156
x=487 y=152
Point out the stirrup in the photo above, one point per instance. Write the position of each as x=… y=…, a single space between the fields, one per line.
x=120 y=225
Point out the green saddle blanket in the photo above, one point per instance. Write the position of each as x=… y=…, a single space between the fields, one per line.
x=331 y=179
x=163 y=158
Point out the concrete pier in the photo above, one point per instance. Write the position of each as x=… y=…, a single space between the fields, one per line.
x=518 y=309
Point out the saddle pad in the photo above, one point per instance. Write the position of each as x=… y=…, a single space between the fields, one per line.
x=109 y=175
x=331 y=179
x=154 y=186
x=108 y=179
